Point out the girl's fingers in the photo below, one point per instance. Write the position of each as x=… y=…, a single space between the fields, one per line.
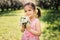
x=28 y=26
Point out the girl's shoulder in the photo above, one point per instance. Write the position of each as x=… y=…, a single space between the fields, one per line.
x=37 y=20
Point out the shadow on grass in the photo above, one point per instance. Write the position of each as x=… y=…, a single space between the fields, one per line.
x=51 y=16
x=7 y=13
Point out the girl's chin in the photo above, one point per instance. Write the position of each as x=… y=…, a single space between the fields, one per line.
x=29 y=16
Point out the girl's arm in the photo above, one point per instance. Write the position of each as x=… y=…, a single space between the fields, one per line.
x=38 y=27
x=22 y=28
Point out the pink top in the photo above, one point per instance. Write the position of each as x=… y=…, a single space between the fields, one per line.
x=28 y=35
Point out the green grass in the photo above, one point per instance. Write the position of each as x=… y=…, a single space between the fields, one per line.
x=9 y=25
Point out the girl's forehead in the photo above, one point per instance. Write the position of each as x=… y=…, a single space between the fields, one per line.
x=28 y=6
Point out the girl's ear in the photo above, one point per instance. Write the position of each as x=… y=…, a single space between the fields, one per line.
x=36 y=11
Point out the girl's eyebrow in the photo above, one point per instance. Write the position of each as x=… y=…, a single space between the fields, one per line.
x=30 y=6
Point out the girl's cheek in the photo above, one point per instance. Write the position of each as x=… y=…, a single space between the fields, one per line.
x=26 y=14
x=32 y=13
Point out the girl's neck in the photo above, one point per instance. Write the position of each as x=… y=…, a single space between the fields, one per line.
x=32 y=18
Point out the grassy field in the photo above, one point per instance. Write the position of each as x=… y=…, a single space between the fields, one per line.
x=10 y=24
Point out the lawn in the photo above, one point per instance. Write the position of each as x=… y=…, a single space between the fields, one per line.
x=9 y=25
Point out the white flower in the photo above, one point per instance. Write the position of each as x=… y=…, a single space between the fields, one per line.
x=24 y=19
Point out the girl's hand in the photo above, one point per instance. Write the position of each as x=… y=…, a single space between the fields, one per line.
x=28 y=26
x=22 y=28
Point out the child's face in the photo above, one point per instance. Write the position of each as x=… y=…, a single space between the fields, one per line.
x=29 y=11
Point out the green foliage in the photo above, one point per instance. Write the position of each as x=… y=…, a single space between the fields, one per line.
x=52 y=31
x=51 y=16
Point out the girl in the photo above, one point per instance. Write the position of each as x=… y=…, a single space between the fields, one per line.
x=32 y=30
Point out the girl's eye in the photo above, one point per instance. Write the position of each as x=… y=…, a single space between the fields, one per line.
x=25 y=11
x=29 y=10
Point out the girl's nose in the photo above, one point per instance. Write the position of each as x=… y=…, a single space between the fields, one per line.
x=27 y=12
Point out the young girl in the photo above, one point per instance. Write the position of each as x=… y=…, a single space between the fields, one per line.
x=32 y=30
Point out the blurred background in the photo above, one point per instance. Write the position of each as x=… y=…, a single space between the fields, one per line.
x=12 y=10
